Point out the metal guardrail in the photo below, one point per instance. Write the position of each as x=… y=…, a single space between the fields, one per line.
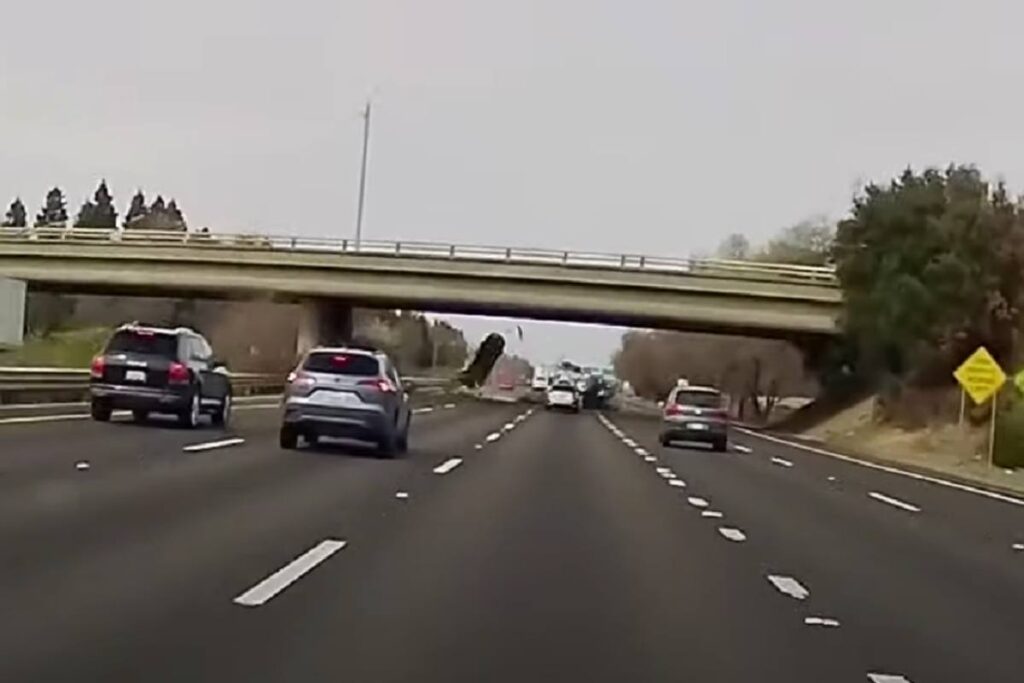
x=17 y=380
x=413 y=249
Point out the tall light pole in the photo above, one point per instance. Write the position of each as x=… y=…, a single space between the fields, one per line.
x=362 y=175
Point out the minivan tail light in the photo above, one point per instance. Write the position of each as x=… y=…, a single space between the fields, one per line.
x=177 y=373
x=673 y=409
x=382 y=385
x=301 y=383
x=99 y=364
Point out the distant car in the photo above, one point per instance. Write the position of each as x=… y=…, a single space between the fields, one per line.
x=350 y=391
x=562 y=394
x=540 y=380
x=149 y=369
x=695 y=414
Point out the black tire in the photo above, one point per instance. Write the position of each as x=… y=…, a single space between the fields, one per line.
x=222 y=416
x=288 y=438
x=140 y=415
x=190 y=414
x=100 y=410
x=664 y=440
x=387 y=444
x=403 y=440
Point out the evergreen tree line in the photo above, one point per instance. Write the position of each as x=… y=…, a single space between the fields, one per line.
x=99 y=212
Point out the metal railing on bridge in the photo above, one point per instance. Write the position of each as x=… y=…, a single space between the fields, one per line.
x=821 y=275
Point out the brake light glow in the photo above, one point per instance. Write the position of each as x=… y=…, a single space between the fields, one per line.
x=301 y=383
x=382 y=385
x=177 y=373
x=99 y=364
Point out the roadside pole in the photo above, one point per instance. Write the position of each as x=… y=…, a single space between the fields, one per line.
x=992 y=431
x=963 y=407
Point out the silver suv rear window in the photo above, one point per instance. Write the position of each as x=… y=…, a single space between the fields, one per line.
x=340 y=363
x=699 y=399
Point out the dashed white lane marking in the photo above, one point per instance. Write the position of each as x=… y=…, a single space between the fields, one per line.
x=478 y=447
x=449 y=406
x=714 y=514
x=56 y=418
x=629 y=443
x=402 y=495
x=448 y=465
x=81 y=465
x=697 y=502
x=891 y=470
x=288 y=574
x=895 y=502
x=781 y=461
x=887 y=678
x=662 y=470
x=494 y=436
x=827 y=622
x=508 y=427
x=831 y=478
x=422 y=411
x=732 y=534
x=668 y=475
x=789 y=586
x=210 y=445
x=650 y=458
x=739 y=448
x=677 y=482
x=641 y=451
x=1018 y=546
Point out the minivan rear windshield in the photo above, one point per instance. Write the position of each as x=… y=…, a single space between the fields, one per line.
x=699 y=399
x=353 y=364
x=144 y=343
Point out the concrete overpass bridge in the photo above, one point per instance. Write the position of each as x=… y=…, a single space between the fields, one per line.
x=330 y=276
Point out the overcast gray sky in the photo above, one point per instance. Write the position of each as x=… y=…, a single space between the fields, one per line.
x=637 y=126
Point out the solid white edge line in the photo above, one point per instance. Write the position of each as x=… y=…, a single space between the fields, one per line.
x=789 y=586
x=891 y=470
x=288 y=574
x=210 y=445
x=895 y=502
x=448 y=465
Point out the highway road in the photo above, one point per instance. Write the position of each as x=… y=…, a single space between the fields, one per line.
x=510 y=544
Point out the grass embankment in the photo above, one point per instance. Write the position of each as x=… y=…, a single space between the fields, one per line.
x=66 y=349
x=941 y=448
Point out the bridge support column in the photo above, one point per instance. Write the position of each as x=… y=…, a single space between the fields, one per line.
x=323 y=322
x=12 y=312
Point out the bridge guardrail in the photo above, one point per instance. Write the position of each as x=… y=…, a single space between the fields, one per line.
x=822 y=275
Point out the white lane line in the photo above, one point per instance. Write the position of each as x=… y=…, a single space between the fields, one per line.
x=402 y=495
x=826 y=622
x=781 y=461
x=789 y=586
x=887 y=678
x=448 y=465
x=677 y=483
x=449 y=406
x=493 y=436
x=739 y=448
x=732 y=534
x=895 y=502
x=478 y=447
x=422 y=411
x=832 y=478
x=650 y=458
x=81 y=465
x=668 y=475
x=697 y=502
x=509 y=427
x=662 y=470
x=714 y=514
x=891 y=470
x=210 y=445
x=55 y=418
x=288 y=574
x=1018 y=546
x=629 y=443
x=641 y=451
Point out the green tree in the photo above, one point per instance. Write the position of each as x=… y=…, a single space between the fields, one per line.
x=54 y=212
x=136 y=210
x=931 y=266
x=16 y=215
x=735 y=247
x=807 y=243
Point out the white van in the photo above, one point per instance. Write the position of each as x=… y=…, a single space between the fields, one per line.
x=540 y=379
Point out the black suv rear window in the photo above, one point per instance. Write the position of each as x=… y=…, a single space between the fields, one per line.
x=699 y=399
x=143 y=342
x=353 y=364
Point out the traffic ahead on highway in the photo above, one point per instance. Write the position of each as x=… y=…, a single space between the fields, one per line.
x=480 y=342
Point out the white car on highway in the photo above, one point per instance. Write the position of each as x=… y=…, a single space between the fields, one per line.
x=562 y=394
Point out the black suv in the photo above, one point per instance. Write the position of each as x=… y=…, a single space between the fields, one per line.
x=156 y=370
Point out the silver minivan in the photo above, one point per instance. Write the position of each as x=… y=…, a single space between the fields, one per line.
x=346 y=392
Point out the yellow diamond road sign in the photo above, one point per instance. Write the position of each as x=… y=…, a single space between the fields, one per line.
x=980 y=375
x=1019 y=381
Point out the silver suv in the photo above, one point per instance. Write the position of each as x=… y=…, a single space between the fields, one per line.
x=350 y=391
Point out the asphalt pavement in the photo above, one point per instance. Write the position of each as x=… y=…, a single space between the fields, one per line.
x=510 y=544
